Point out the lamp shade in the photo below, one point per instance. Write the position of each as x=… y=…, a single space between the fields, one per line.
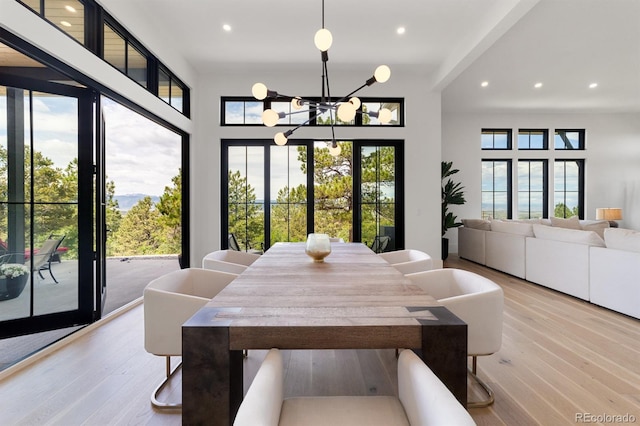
x=609 y=213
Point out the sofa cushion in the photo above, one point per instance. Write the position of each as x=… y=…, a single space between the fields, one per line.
x=622 y=239
x=597 y=226
x=511 y=227
x=481 y=224
x=571 y=223
x=568 y=235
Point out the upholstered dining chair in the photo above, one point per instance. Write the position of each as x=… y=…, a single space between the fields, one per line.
x=169 y=301
x=476 y=300
x=231 y=261
x=422 y=400
x=408 y=261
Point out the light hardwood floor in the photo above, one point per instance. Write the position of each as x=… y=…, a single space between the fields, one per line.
x=560 y=358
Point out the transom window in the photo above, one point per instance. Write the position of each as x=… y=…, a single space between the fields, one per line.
x=533 y=139
x=248 y=111
x=569 y=139
x=496 y=139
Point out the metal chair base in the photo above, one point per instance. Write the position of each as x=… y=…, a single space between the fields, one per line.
x=485 y=402
x=154 y=396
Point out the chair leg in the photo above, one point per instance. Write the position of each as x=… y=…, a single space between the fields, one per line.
x=154 y=396
x=485 y=402
x=51 y=273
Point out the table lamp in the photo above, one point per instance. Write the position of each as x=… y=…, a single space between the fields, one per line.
x=610 y=214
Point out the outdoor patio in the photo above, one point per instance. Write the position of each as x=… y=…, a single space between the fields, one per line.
x=126 y=279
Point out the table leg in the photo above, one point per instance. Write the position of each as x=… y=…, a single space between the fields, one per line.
x=444 y=350
x=211 y=374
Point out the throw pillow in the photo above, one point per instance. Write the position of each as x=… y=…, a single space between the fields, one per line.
x=597 y=226
x=510 y=227
x=622 y=239
x=577 y=236
x=572 y=223
x=481 y=224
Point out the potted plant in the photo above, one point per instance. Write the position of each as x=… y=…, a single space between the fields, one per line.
x=13 y=277
x=452 y=193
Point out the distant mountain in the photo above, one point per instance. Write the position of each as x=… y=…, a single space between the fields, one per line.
x=126 y=201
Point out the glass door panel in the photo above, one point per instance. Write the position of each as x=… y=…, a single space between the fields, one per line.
x=333 y=190
x=39 y=205
x=288 y=187
x=378 y=194
x=246 y=196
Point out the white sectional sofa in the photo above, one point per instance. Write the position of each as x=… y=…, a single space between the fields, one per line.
x=585 y=259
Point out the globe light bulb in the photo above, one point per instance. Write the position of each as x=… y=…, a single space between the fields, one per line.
x=335 y=150
x=296 y=103
x=384 y=115
x=270 y=117
x=323 y=39
x=259 y=91
x=356 y=102
x=280 y=139
x=346 y=112
x=382 y=73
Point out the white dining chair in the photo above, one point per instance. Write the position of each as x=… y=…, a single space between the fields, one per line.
x=422 y=400
x=231 y=261
x=408 y=261
x=476 y=300
x=168 y=302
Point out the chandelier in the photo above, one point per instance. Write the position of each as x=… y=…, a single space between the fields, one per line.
x=345 y=108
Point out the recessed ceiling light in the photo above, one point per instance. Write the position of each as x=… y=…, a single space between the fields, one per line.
x=65 y=24
x=593 y=85
x=226 y=27
x=484 y=84
x=537 y=85
x=401 y=30
x=70 y=8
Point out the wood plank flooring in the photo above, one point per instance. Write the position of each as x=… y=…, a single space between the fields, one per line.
x=560 y=357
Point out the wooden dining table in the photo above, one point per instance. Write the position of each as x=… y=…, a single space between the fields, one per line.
x=352 y=300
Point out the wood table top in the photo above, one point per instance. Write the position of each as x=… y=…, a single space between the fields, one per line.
x=351 y=276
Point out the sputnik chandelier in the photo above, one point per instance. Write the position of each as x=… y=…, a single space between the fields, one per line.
x=345 y=108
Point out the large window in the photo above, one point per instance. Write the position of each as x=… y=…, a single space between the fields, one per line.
x=282 y=193
x=496 y=189
x=568 y=188
x=532 y=189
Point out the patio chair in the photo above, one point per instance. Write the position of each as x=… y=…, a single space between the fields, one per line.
x=233 y=245
x=380 y=243
x=43 y=257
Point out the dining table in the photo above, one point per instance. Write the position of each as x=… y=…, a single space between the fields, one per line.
x=353 y=299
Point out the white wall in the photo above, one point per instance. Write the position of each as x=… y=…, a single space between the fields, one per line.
x=612 y=154
x=421 y=135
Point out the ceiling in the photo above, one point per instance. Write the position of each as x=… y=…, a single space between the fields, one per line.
x=511 y=44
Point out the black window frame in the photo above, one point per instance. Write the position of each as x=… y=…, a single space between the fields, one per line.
x=545 y=139
x=509 y=191
x=581 y=183
x=267 y=104
x=356 y=188
x=581 y=139
x=545 y=186
x=508 y=132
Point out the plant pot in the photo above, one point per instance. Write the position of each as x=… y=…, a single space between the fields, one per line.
x=445 y=248
x=10 y=288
